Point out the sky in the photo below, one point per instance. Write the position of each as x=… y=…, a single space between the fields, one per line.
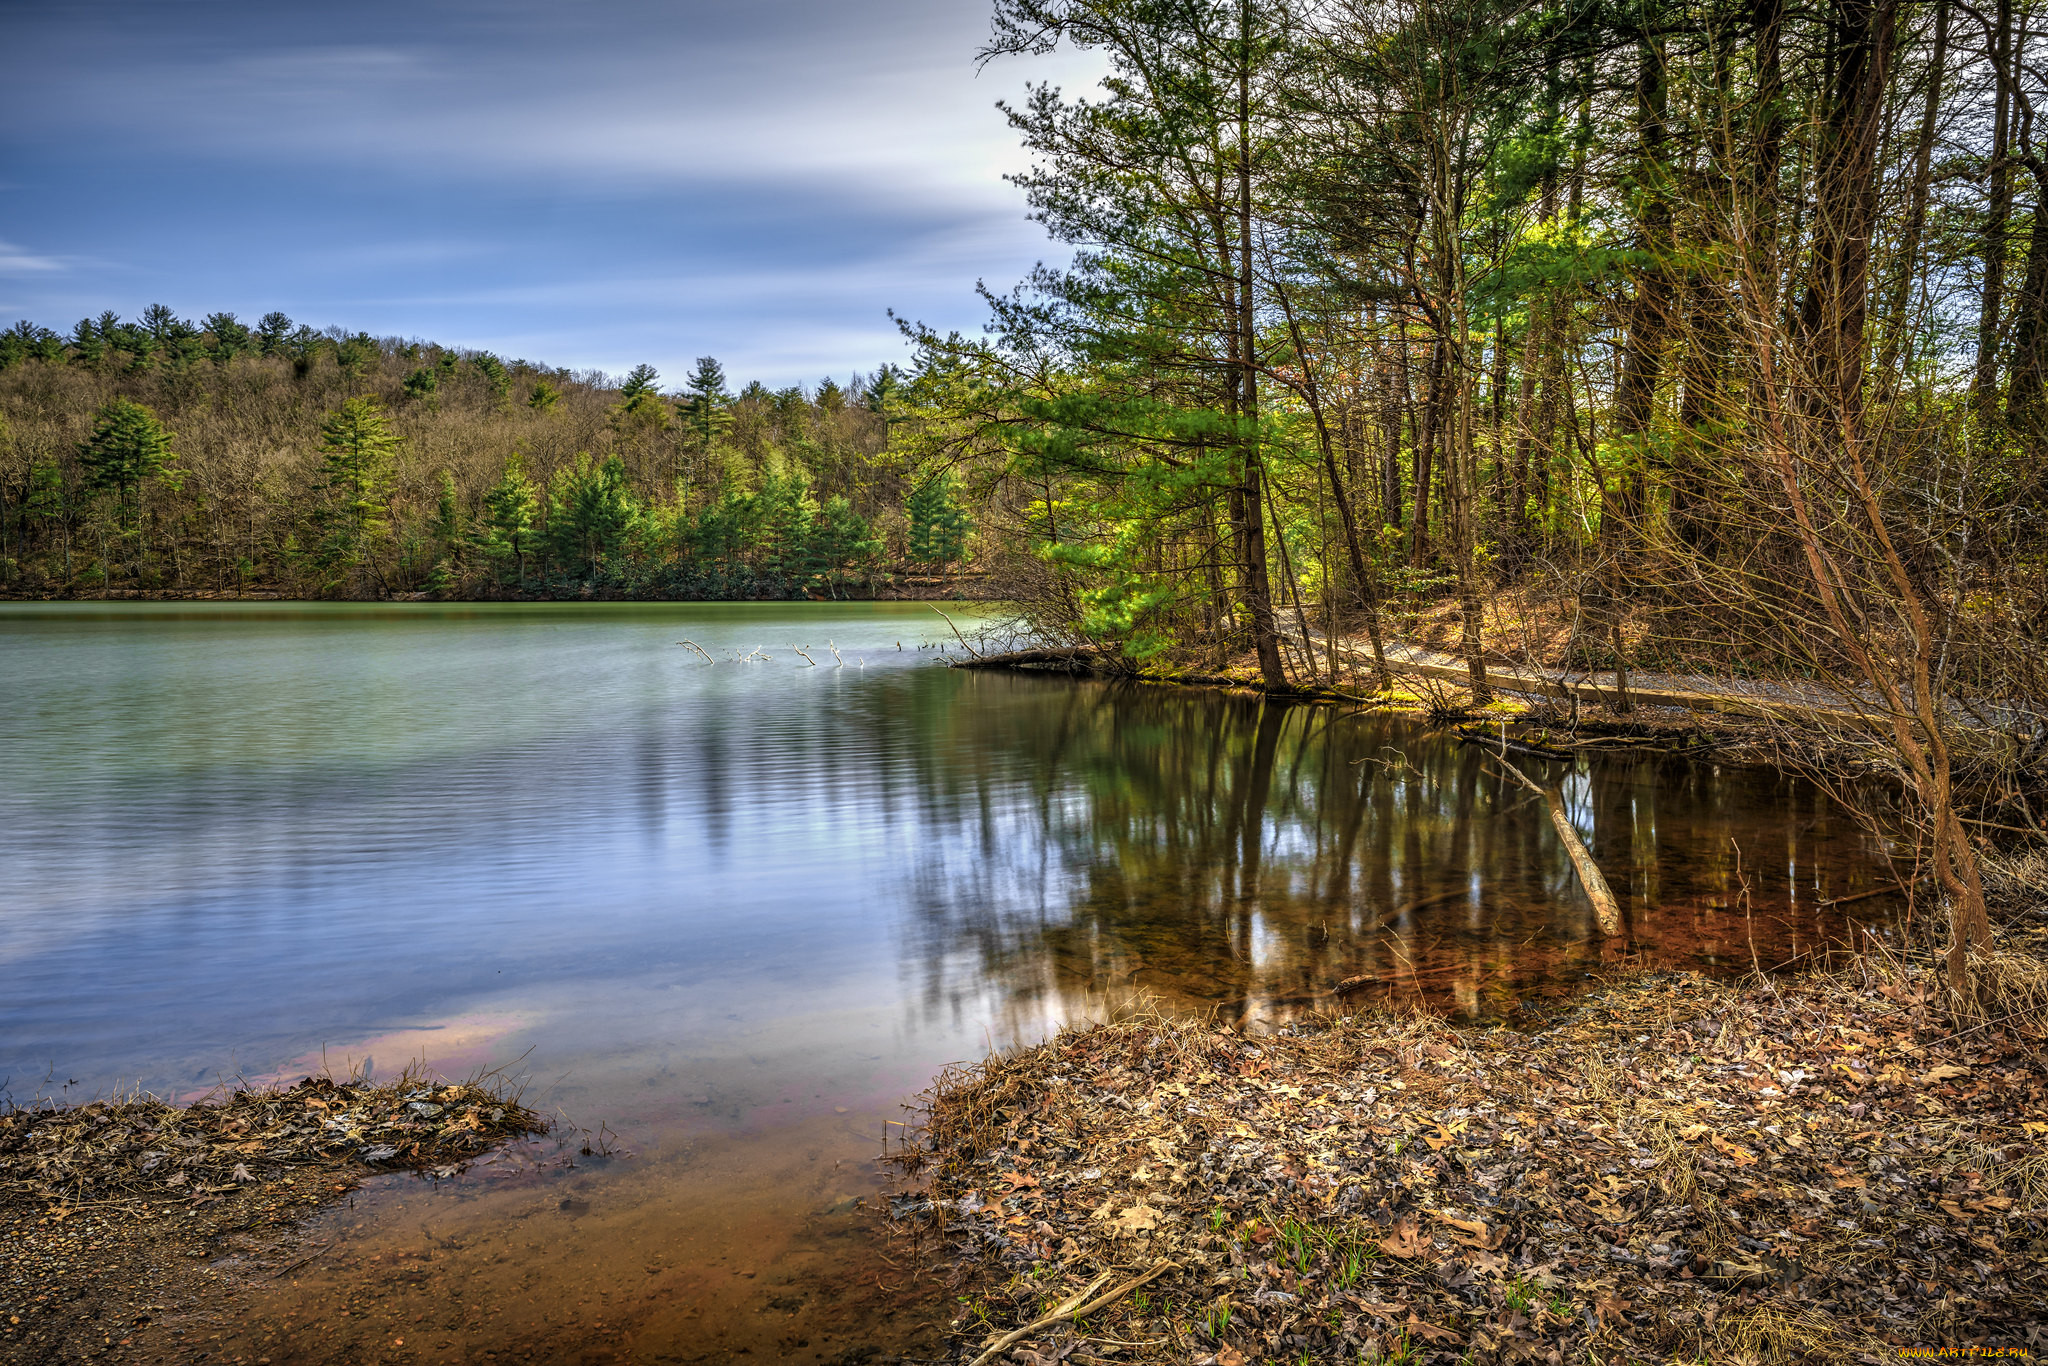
x=589 y=183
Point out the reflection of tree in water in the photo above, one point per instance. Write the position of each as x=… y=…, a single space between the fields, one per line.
x=1221 y=851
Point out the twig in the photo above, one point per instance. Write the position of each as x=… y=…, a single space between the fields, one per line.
x=1072 y=1310
x=1862 y=896
x=275 y=1275
x=699 y=649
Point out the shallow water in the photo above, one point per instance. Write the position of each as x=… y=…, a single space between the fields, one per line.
x=740 y=911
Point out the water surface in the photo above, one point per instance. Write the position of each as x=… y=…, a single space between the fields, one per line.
x=740 y=911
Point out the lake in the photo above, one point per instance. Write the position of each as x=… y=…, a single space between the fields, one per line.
x=738 y=912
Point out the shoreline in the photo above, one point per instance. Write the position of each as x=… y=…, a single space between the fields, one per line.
x=1672 y=1169
x=907 y=588
x=113 y=1211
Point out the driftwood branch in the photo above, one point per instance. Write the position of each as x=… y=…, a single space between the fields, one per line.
x=1072 y=1309
x=956 y=632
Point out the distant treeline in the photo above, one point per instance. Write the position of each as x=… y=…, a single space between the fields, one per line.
x=169 y=455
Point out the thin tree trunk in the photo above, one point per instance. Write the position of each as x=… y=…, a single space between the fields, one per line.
x=1258 y=593
x=1897 y=320
x=1997 y=212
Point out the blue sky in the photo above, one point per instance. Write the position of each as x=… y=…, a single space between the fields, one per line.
x=589 y=183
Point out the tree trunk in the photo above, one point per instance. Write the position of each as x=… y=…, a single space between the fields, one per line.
x=1258 y=591
x=1997 y=213
x=1898 y=310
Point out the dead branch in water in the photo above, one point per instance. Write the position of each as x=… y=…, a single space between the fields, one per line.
x=1605 y=907
x=956 y=631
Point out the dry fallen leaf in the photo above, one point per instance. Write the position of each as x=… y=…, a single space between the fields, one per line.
x=1138 y=1219
x=1942 y=1073
x=1742 y=1156
x=1429 y=1332
x=1406 y=1239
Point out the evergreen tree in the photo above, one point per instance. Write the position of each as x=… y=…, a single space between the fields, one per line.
x=509 y=508
x=591 y=512
x=354 y=354
x=641 y=379
x=494 y=372
x=229 y=337
x=128 y=448
x=938 y=526
x=271 y=332
x=842 y=539
x=543 y=397
x=705 y=402
x=87 y=348
x=641 y=403
x=357 y=447
x=165 y=328
x=882 y=389
x=422 y=383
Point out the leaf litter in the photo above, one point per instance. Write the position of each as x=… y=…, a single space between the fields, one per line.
x=103 y=1205
x=140 y=1146
x=1827 y=1169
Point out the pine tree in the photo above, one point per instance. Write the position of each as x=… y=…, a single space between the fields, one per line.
x=705 y=402
x=357 y=446
x=507 y=530
x=494 y=372
x=544 y=397
x=128 y=447
x=641 y=402
x=87 y=348
x=271 y=332
x=591 y=512
x=230 y=337
x=938 y=527
x=842 y=539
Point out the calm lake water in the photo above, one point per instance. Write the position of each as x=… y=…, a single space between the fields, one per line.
x=740 y=911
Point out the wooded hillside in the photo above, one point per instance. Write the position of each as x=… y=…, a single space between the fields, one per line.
x=212 y=457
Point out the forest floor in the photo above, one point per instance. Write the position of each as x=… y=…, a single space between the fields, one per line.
x=1831 y=1168
x=112 y=1213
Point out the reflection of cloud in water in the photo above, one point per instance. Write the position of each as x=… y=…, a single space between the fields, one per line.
x=1219 y=853
x=453 y=1048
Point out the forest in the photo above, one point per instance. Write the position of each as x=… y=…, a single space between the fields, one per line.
x=1707 y=337
x=175 y=457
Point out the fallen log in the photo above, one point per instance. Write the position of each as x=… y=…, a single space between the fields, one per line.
x=1521 y=747
x=1076 y=658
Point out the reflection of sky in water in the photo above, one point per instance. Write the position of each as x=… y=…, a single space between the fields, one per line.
x=235 y=835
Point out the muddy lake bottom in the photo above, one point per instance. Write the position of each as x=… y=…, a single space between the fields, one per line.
x=728 y=918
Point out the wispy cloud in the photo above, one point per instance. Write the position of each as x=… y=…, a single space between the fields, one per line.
x=21 y=261
x=573 y=183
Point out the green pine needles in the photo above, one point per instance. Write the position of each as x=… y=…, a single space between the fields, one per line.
x=128 y=448
x=357 y=447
